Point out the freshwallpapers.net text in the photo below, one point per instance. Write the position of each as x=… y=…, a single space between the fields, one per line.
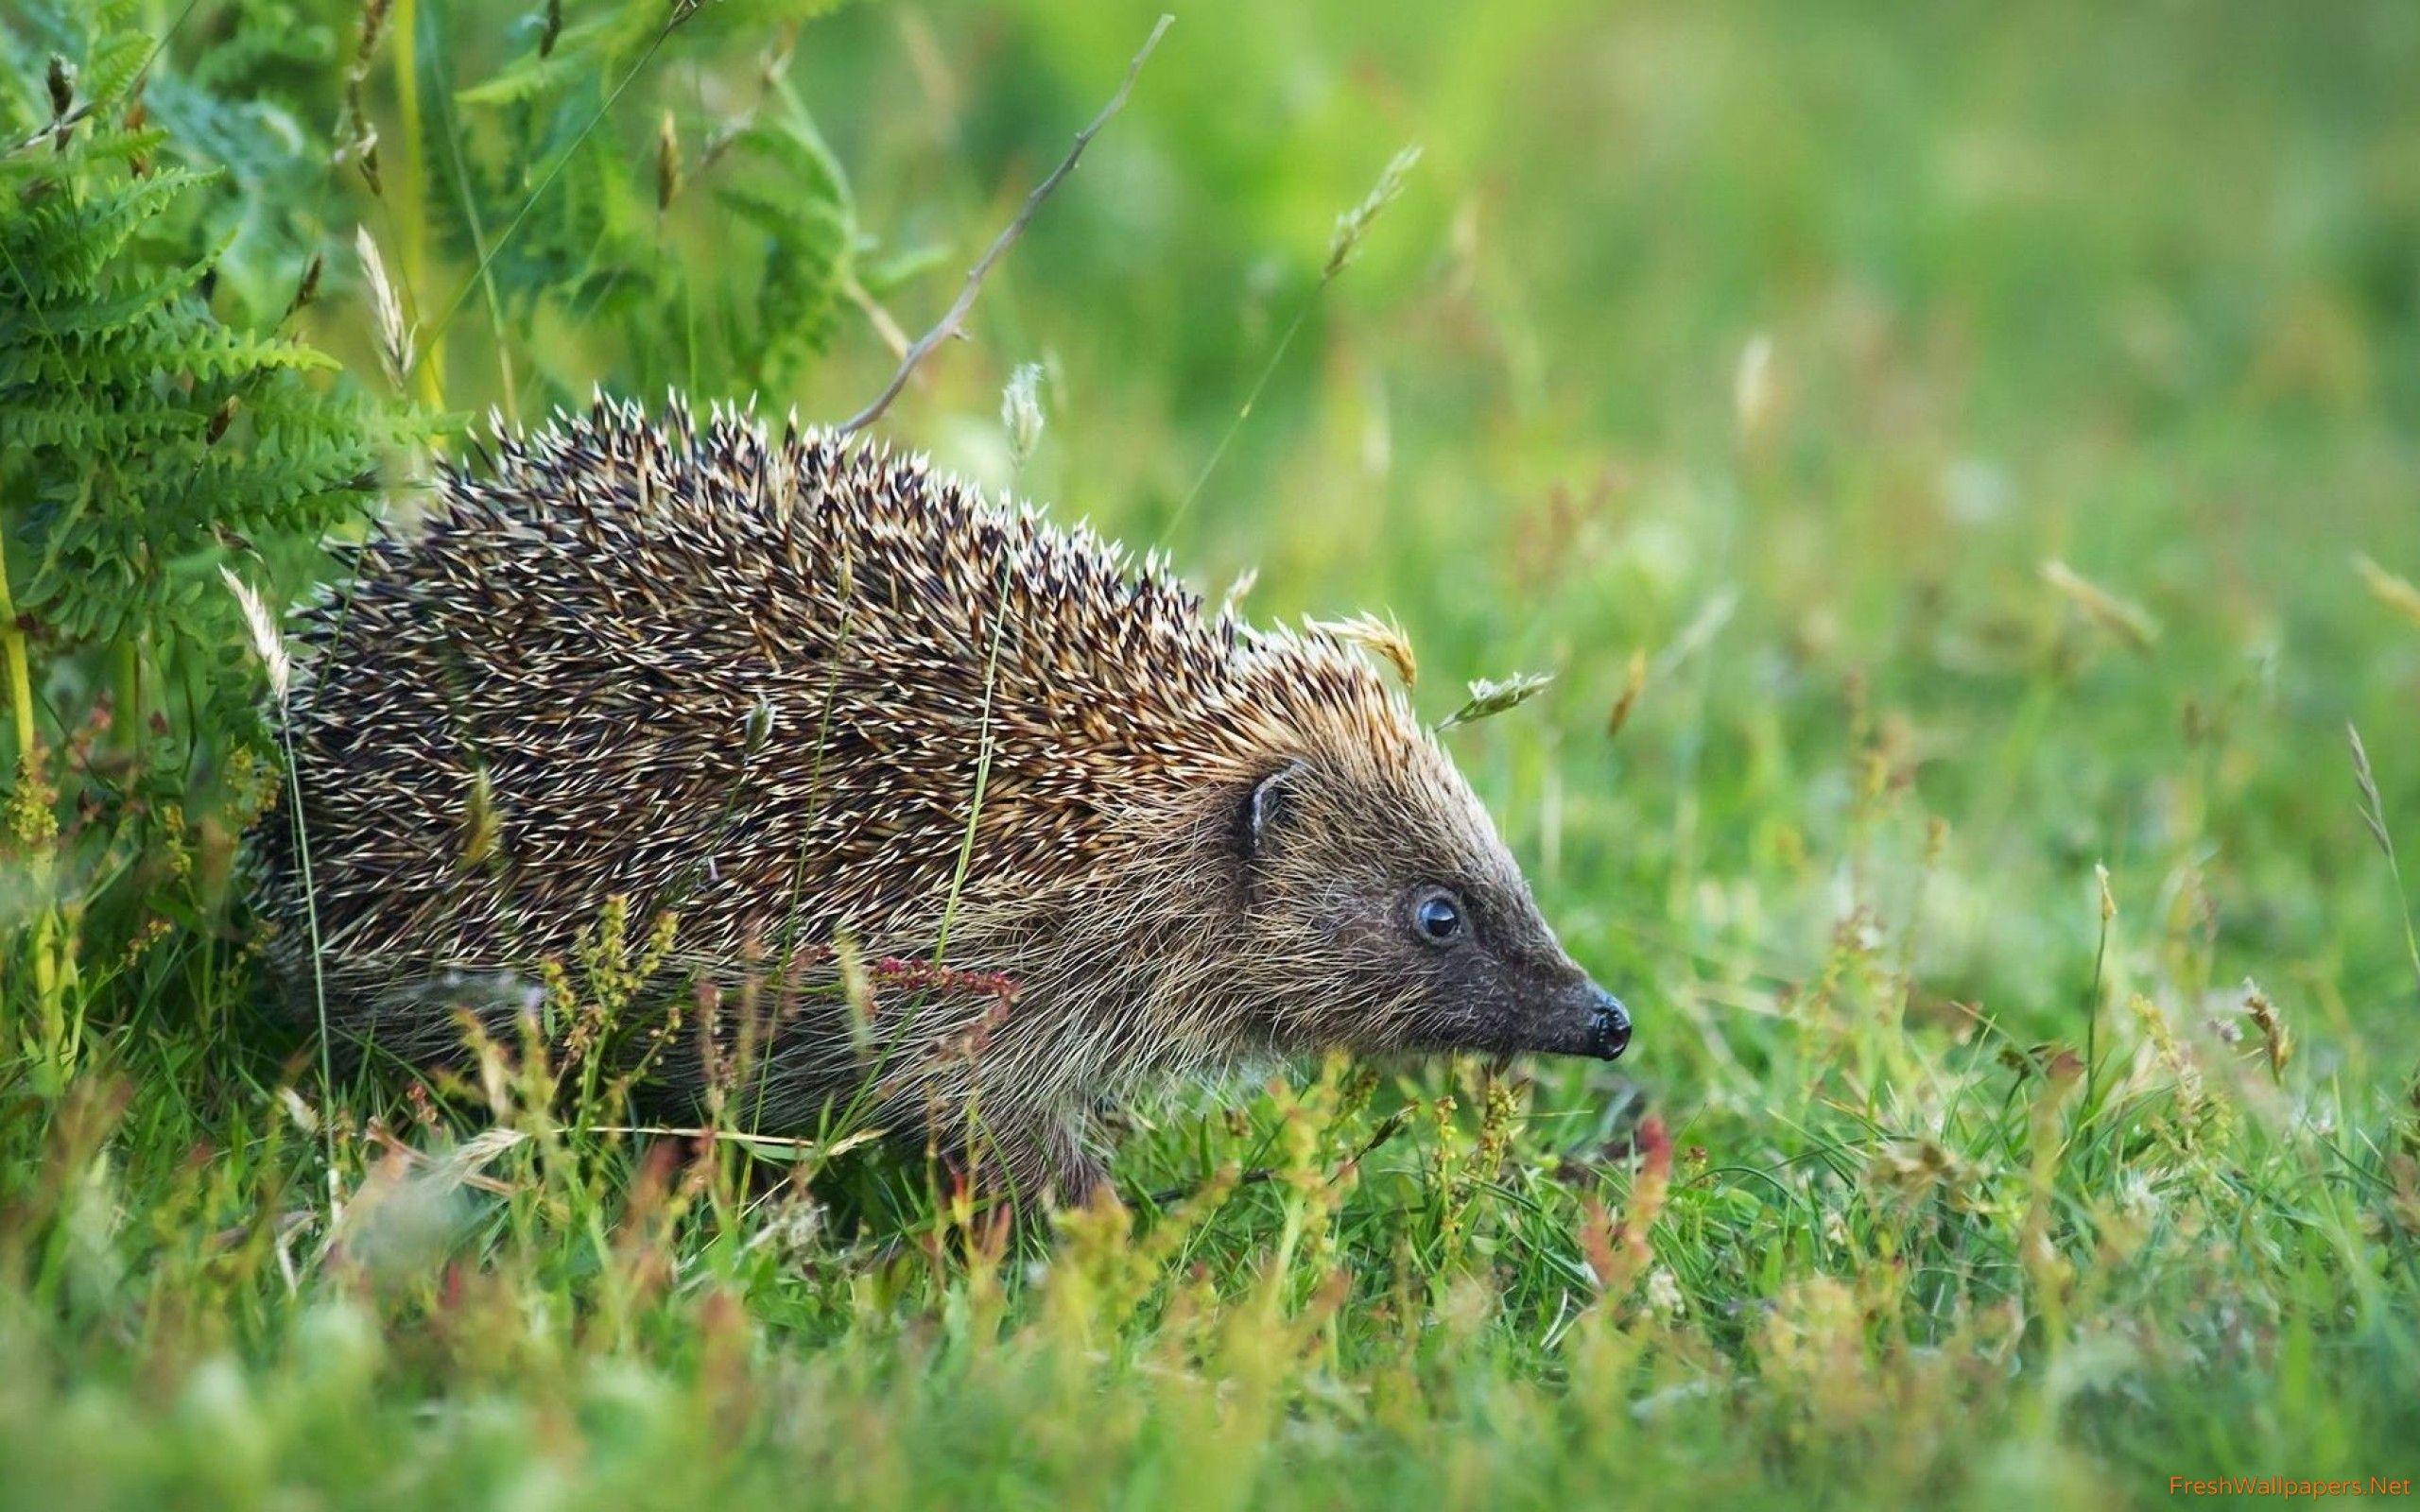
x=2287 y=1487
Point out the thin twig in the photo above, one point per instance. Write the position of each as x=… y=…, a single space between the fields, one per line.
x=949 y=322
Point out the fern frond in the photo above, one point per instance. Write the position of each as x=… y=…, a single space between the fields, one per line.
x=142 y=436
x=101 y=313
x=61 y=242
x=68 y=422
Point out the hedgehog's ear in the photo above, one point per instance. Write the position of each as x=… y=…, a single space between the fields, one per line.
x=1265 y=806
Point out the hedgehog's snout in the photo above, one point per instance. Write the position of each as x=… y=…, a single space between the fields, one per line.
x=1608 y=1025
x=1578 y=1018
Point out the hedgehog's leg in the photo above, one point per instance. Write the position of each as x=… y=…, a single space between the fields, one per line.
x=1040 y=1153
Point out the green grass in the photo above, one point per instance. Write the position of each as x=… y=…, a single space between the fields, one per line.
x=1939 y=1170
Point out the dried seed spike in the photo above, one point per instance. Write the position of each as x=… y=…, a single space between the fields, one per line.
x=668 y=163
x=2397 y=594
x=2124 y=620
x=307 y=290
x=394 y=336
x=61 y=77
x=1633 y=683
x=1021 y=414
x=268 y=642
x=2275 y=1041
x=2373 y=808
x=1383 y=637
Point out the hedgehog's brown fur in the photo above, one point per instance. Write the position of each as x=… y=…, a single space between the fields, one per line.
x=753 y=681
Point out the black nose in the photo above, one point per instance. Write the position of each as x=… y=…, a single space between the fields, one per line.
x=1608 y=1028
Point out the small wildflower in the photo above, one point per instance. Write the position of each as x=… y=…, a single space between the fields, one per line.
x=151 y=932
x=1662 y=1297
x=175 y=843
x=794 y=1230
x=2170 y=1053
x=30 y=822
x=2136 y=1196
x=1499 y=1116
x=1919 y=1169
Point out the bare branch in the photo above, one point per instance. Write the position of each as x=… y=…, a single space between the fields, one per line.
x=950 y=321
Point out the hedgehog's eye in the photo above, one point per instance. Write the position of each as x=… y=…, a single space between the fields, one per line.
x=1438 y=916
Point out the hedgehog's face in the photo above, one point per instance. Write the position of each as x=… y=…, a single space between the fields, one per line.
x=1392 y=917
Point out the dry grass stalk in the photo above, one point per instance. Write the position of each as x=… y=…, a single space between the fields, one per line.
x=2121 y=619
x=1633 y=683
x=1382 y=638
x=2397 y=594
x=395 y=345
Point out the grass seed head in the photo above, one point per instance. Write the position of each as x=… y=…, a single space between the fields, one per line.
x=1633 y=683
x=1384 y=638
x=2397 y=593
x=395 y=347
x=269 y=642
x=1344 y=243
x=2123 y=620
x=1021 y=413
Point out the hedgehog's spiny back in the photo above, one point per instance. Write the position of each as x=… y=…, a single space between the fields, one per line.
x=570 y=652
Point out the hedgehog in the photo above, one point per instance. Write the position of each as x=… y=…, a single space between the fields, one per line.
x=818 y=703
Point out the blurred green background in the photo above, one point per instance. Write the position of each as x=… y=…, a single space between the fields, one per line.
x=2133 y=289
